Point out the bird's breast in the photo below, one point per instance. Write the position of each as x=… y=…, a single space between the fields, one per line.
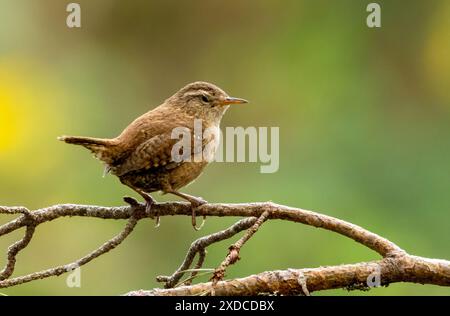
x=211 y=140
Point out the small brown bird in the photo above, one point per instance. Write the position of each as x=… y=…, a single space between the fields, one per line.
x=142 y=155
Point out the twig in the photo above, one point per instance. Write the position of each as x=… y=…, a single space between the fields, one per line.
x=15 y=248
x=233 y=253
x=199 y=246
x=109 y=245
x=200 y=261
x=14 y=210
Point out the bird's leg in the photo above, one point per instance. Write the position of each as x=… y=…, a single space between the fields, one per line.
x=195 y=203
x=149 y=201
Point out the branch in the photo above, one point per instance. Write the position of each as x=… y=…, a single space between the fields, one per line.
x=402 y=268
x=396 y=265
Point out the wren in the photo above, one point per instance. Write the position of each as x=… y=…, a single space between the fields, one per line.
x=141 y=156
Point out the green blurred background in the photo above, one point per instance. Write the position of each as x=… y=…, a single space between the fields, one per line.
x=364 y=118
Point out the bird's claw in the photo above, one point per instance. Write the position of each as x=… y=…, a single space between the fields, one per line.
x=194 y=223
x=148 y=210
x=194 y=205
x=157 y=221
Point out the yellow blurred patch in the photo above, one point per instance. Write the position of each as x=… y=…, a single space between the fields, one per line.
x=29 y=121
x=437 y=53
x=12 y=117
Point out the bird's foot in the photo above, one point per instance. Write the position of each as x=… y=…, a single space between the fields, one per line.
x=149 y=201
x=195 y=204
x=134 y=204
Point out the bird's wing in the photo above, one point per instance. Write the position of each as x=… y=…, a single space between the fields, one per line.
x=152 y=153
x=160 y=151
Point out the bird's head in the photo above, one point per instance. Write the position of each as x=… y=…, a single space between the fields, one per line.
x=203 y=100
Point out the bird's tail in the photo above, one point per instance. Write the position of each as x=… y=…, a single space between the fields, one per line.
x=100 y=147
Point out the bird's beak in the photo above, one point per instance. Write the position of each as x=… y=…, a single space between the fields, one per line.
x=231 y=100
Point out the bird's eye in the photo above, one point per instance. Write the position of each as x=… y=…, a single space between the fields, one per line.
x=205 y=98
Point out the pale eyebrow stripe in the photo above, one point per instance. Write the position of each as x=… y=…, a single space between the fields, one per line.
x=197 y=92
